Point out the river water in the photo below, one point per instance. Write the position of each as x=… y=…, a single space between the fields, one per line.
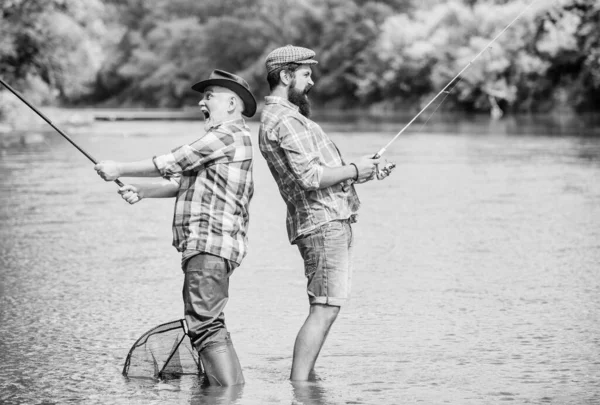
x=476 y=273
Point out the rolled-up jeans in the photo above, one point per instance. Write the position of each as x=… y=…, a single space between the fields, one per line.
x=205 y=294
x=327 y=255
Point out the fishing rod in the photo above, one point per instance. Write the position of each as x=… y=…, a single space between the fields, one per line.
x=389 y=167
x=90 y=157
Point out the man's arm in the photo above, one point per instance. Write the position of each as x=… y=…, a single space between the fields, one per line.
x=110 y=170
x=361 y=170
x=212 y=146
x=133 y=193
x=303 y=161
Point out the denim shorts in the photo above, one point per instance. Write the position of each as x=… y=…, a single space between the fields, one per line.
x=327 y=255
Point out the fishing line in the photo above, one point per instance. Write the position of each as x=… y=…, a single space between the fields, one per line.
x=388 y=167
x=439 y=105
x=90 y=157
x=455 y=78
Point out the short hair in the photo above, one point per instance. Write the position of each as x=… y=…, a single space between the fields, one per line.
x=237 y=98
x=233 y=93
x=240 y=101
x=274 y=78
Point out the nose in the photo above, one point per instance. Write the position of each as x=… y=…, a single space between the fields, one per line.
x=310 y=81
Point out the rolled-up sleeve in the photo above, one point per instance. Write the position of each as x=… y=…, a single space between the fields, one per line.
x=213 y=146
x=297 y=141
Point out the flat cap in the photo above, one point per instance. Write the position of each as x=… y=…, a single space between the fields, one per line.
x=289 y=54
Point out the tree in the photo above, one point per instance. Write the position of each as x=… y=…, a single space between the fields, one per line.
x=570 y=40
x=372 y=53
x=51 y=49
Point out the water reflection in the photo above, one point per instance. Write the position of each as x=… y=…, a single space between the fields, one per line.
x=186 y=389
x=309 y=393
x=217 y=395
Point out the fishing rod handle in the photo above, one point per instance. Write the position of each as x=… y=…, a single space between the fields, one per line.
x=379 y=154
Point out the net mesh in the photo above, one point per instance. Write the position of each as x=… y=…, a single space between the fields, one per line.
x=163 y=351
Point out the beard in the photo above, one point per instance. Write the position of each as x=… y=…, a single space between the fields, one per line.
x=300 y=98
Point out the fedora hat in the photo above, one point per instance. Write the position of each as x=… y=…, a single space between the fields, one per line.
x=232 y=82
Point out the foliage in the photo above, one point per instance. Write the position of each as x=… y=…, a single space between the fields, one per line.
x=570 y=41
x=53 y=47
x=372 y=53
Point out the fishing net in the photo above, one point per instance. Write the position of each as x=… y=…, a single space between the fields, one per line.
x=163 y=351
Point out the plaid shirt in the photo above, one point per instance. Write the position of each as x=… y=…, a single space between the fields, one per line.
x=296 y=150
x=215 y=188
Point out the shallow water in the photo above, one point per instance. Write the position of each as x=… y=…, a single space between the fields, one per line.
x=476 y=275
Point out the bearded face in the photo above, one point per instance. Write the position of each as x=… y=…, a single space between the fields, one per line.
x=299 y=97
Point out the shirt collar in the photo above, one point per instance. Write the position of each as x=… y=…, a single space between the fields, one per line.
x=281 y=101
x=228 y=122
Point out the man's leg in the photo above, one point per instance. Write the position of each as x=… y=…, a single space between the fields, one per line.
x=221 y=364
x=327 y=259
x=205 y=294
x=310 y=339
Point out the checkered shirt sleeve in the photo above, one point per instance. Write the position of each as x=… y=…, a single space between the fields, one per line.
x=211 y=148
x=303 y=158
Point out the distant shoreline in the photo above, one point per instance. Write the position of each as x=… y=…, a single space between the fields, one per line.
x=81 y=116
x=30 y=128
x=145 y=115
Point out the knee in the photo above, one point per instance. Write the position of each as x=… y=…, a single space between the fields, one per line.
x=212 y=334
x=325 y=313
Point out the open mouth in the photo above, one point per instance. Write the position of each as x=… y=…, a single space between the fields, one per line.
x=206 y=113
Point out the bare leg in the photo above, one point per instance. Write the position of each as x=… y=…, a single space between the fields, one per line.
x=310 y=339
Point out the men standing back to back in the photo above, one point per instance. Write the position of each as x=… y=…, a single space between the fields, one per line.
x=318 y=188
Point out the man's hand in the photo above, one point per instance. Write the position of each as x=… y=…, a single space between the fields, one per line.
x=130 y=193
x=108 y=170
x=366 y=167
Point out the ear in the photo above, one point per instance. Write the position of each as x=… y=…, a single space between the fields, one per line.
x=232 y=104
x=285 y=77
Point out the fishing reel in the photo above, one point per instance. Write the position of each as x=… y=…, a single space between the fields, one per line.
x=386 y=170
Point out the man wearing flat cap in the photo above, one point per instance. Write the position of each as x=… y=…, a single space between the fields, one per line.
x=211 y=180
x=317 y=186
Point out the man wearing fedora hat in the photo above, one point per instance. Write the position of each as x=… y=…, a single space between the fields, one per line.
x=211 y=180
x=318 y=188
